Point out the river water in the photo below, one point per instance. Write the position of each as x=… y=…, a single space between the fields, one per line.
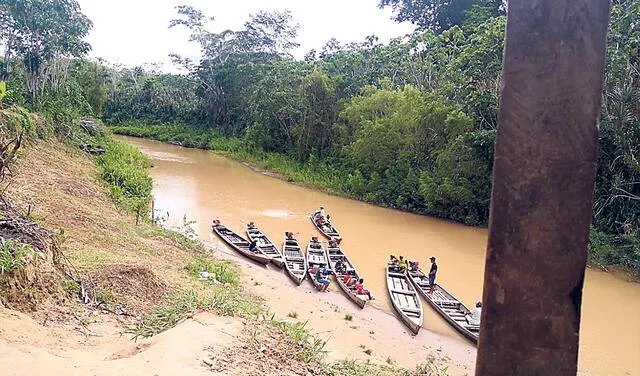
x=202 y=185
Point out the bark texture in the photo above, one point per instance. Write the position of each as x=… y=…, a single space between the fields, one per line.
x=544 y=174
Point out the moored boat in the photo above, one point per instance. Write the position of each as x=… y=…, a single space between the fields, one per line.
x=447 y=305
x=404 y=298
x=265 y=244
x=325 y=226
x=315 y=257
x=335 y=253
x=294 y=262
x=238 y=243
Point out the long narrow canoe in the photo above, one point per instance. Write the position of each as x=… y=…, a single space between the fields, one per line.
x=334 y=253
x=447 y=305
x=404 y=297
x=294 y=262
x=240 y=244
x=265 y=244
x=315 y=256
x=326 y=229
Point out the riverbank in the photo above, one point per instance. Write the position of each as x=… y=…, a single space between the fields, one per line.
x=139 y=273
x=611 y=253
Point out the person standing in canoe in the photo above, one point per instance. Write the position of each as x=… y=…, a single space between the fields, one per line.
x=432 y=274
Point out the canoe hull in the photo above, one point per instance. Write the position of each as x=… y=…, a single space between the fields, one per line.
x=240 y=244
x=295 y=263
x=266 y=245
x=405 y=299
x=449 y=312
x=333 y=254
x=329 y=234
x=315 y=256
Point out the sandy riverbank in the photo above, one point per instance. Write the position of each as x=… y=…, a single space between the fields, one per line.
x=370 y=328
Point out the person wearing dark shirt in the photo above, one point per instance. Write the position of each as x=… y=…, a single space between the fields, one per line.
x=432 y=274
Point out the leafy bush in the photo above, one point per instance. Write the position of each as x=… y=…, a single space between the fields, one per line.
x=124 y=169
x=14 y=256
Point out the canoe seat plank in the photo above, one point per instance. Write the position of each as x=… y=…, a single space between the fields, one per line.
x=406 y=292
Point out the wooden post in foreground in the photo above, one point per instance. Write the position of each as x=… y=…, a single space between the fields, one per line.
x=544 y=173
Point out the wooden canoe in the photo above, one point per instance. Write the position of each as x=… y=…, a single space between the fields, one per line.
x=404 y=298
x=334 y=253
x=447 y=305
x=316 y=256
x=294 y=262
x=240 y=244
x=327 y=229
x=265 y=244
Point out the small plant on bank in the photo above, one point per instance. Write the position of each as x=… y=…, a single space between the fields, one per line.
x=221 y=271
x=293 y=315
x=368 y=351
x=71 y=287
x=105 y=296
x=14 y=256
x=348 y=317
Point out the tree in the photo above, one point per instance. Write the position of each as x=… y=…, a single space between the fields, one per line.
x=40 y=31
x=440 y=15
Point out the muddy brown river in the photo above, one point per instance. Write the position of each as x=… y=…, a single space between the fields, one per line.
x=202 y=185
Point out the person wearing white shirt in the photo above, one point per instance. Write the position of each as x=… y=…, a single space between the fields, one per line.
x=474 y=317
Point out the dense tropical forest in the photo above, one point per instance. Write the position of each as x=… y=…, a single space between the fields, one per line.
x=408 y=124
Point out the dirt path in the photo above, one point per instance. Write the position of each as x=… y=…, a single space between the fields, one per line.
x=28 y=348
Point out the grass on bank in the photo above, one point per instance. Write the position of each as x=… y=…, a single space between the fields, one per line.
x=221 y=293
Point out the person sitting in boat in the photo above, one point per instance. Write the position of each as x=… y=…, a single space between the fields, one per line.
x=361 y=290
x=340 y=266
x=393 y=259
x=328 y=219
x=320 y=221
x=216 y=221
x=289 y=235
x=322 y=276
x=348 y=279
x=473 y=318
x=253 y=247
x=251 y=225
x=402 y=263
x=413 y=266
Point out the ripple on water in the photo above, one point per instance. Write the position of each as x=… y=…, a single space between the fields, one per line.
x=275 y=213
x=168 y=157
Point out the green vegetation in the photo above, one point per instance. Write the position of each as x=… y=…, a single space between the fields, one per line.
x=221 y=271
x=177 y=309
x=308 y=346
x=14 y=256
x=348 y=317
x=293 y=315
x=410 y=124
x=124 y=169
x=225 y=299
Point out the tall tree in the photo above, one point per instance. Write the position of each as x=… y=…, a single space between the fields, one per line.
x=440 y=15
x=39 y=31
